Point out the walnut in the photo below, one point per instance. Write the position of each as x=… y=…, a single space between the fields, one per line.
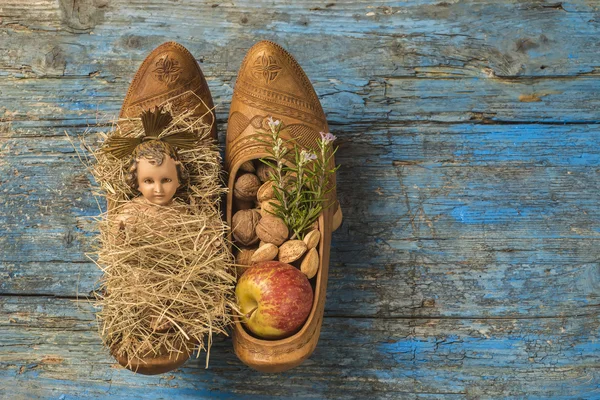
x=246 y=186
x=247 y=167
x=271 y=229
x=265 y=192
x=291 y=251
x=264 y=172
x=267 y=208
x=243 y=256
x=243 y=260
x=289 y=179
x=244 y=226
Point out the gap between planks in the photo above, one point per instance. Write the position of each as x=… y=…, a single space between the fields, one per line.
x=87 y=299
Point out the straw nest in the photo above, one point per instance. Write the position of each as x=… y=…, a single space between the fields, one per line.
x=168 y=277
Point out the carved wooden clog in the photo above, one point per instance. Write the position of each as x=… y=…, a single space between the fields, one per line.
x=155 y=365
x=169 y=72
x=270 y=83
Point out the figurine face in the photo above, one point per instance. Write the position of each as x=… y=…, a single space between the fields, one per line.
x=158 y=183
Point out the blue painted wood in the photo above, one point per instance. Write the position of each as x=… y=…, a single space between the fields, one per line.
x=385 y=358
x=467 y=264
x=57 y=103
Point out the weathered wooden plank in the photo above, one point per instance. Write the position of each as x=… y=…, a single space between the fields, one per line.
x=50 y=347
x=538 y=168
x=100 y=65
x=430 y=145
x=31 y=104
x=414 y=284
x=440 y=221
x=425 y=38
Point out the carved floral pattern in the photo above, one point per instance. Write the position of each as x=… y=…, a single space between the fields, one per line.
x=266 y=67
x=167 y=70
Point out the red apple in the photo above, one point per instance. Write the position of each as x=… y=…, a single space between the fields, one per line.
x=275 y=299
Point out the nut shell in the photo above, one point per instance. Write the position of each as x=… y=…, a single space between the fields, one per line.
x=312 y=239
x=267 y=208
x=243 y=227
x=266 y=252
x=290 y=179
x=265 y=192
x=248 y=166
x=291 y=251
x=242 y=260
x=264 y=172
x=310 y=264
x=246 y=186
x=337 y=219
x=271 y=229
x=244 y=256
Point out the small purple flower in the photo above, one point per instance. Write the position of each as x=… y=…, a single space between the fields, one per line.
x=306 y=156
x=327 y=137
x=273 y=124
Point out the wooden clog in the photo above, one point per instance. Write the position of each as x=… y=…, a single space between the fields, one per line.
x=155 y=365
x=270 y=83
x=169 y=72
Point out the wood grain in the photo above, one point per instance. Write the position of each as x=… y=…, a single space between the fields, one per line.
x=467 y=263
x=52 y=349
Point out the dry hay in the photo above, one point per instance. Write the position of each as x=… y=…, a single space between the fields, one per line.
x=168 y=279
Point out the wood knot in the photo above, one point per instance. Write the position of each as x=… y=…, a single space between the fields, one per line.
x=428 y=303
x=81 y=16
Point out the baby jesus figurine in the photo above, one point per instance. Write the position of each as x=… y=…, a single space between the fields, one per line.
x=154 y=170
x=168 y=279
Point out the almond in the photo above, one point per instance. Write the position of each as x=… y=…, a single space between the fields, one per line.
x=310 y=264
x=337 y=218
x=312 y=239
x=291 y=250
x=266 y=252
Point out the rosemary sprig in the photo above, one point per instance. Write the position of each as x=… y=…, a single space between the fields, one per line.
x=300 y=183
